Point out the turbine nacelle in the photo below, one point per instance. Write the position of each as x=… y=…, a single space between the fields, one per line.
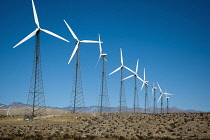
x=104 y=54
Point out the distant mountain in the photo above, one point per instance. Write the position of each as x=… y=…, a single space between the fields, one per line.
x=94 y=109
x=17 y=104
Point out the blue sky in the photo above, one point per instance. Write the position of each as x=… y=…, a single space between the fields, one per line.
x=170 y=38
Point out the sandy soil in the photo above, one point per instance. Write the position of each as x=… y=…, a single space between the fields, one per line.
x=108 y=126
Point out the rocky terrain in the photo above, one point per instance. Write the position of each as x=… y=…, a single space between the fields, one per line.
x=108 y=126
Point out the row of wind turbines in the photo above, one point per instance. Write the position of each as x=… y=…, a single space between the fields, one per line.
x=36 y=93
x=144 y=84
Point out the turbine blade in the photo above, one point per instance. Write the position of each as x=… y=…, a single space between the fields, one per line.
x=137 y=65
x=105 y=59
x=35 y=15
x=142 y=86
x=98 y=60
x=100 y=48
x=144 y=74
x=140 y=79
x=129 y=69
x=115 y=70
x=89 y=41
x=128 y=77
x=159 y=88
x=159 y=98
x=73 y=53
x=121 y=56
x=26 y=38
x=53 y=34
x=74 y=36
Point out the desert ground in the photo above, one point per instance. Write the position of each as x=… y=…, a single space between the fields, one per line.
x=108 y=126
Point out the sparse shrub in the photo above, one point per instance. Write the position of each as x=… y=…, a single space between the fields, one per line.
x=66 y=136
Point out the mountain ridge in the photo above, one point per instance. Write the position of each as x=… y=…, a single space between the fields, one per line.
x=94 y=109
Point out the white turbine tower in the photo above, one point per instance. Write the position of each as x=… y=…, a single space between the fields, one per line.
x=104 y=98
x=36 y=101
x=145 y=83
x=136 y=99
x=154 y=96
x=161 y=97
x=77 y=99
x=122 y=100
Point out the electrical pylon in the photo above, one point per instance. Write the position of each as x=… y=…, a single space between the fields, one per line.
x=36 y=101
x=104 y=98
x=77 y=104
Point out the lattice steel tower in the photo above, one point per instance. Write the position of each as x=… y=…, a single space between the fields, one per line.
x=77 y=104
x=104 y=98
x=36 y=101
x=122 y=99
x=154 y=96
x=136 y=107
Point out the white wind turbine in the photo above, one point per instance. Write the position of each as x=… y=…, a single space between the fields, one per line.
x=161 y=97
x=167 y=102
x=145 y=83
x=77 y=91
x=38 y=29
x=104 y=99
x=36 y=93
x=8 y=110
x=122 y=96
x=77 y=42
x=135 y=75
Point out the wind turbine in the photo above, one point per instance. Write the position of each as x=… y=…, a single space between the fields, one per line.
x=104 y=99
x=36 y=100
x=135 y=75
x=145 y=83
x=122 y=94
x=8 y=112
x=167 y=98
x=154 y=96
x=77 y=93
x=161 y=97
